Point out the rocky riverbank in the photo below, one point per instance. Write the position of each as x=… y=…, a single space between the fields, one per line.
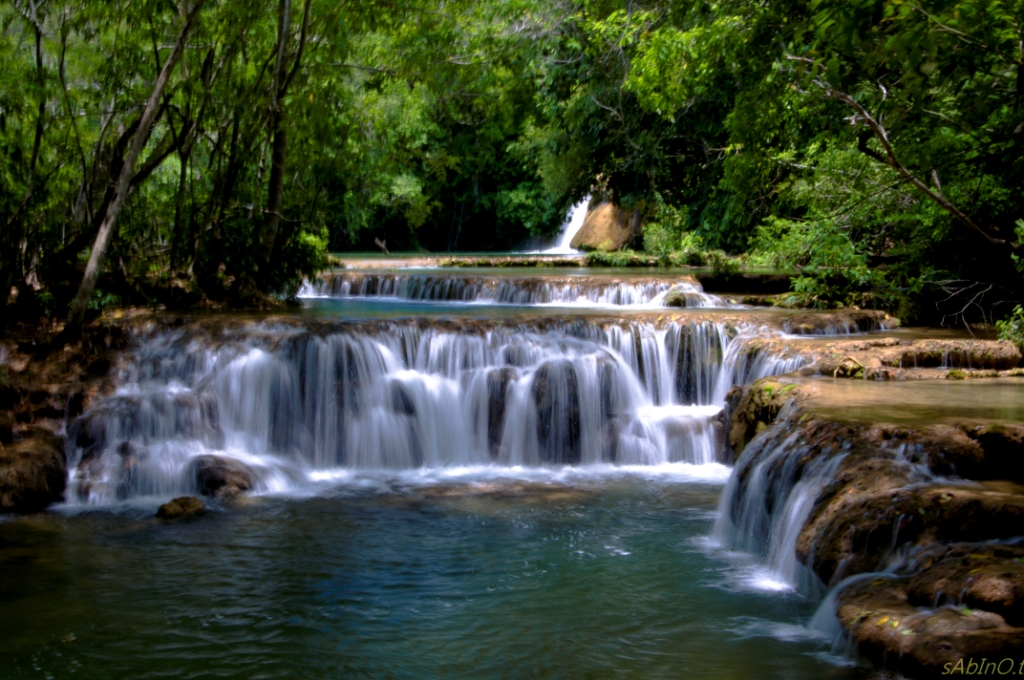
x=919 y=525
x=41 y=391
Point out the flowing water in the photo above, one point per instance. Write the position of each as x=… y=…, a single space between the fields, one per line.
x=461 y=483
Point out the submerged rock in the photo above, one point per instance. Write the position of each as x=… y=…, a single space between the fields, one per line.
x=32 y=475
x=182 y=508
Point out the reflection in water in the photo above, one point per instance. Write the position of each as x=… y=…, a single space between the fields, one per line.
x=919 y=401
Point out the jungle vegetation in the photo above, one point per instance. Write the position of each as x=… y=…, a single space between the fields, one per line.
x=176 y=151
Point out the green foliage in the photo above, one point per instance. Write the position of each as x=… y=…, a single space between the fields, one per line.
x=1012 y=327
x=100 y=300
x=735 y=126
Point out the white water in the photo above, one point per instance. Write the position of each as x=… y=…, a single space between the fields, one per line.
x=505 y=290
x=573 y=223
x=285 y=405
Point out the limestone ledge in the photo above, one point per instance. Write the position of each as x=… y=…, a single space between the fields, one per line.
x=892 y=358
x=941 y=506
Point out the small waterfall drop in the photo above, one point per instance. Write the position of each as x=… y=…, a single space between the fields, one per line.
x=574 y=222
x=770 y=496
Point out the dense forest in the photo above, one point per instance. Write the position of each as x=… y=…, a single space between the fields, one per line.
x=217 y=150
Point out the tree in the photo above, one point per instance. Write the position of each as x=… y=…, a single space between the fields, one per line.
x=76 y=316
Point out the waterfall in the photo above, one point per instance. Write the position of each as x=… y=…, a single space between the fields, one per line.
x=573 y=223
x=508 y=290
x=770 y=496
x=264 y=405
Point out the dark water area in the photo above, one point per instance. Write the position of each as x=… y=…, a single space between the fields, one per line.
x=609 y=576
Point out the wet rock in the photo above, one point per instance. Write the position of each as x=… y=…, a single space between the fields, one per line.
x=401 y=400
x=498 y=385
x=607 y=227
x=221 y=476
x=184 y=507
x=1003 y=446
x=922 y=642
x=979 y=576
x=753 y=408
x=98 y=367
x=682 y=298
x=956 y=354
x=32 y=474
x=840 y=321
x=889 y=358
x=9 y=397
x=556 y=395
x=856 y=529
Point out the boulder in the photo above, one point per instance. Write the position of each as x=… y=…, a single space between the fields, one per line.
x=33 y=474
x=182 y=508
x=607 y=227
x=221 y=476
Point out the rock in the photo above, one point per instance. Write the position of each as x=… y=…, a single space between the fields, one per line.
x=681 y=297
x=607 y=227
x=182 y=508
x=401 y=399
x=857 y=528
x=841 y=321
x=986 y=577
x=33 y=474
x=754 y=407
x=221 y=476
x=498 y=384
x=7 y=423
x=894 y=633
x=9 y=397
x=556 y=395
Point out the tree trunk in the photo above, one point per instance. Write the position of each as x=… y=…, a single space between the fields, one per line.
x=279 y=149
x=73 y=327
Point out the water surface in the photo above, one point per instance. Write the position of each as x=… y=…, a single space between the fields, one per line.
x=558 y=575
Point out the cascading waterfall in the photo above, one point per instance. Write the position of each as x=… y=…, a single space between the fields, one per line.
x=769 y=497
x=274 y=403
x=505 y=290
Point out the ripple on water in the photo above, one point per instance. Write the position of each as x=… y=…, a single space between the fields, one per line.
x=434 y=573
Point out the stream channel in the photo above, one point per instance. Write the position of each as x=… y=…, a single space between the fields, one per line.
x=447 y=473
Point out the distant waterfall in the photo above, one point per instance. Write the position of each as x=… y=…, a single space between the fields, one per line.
x=573 y=223
x=509 y=290
x=278 y=402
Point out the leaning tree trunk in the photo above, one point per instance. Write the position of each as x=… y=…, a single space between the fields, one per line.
x=76 y=317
